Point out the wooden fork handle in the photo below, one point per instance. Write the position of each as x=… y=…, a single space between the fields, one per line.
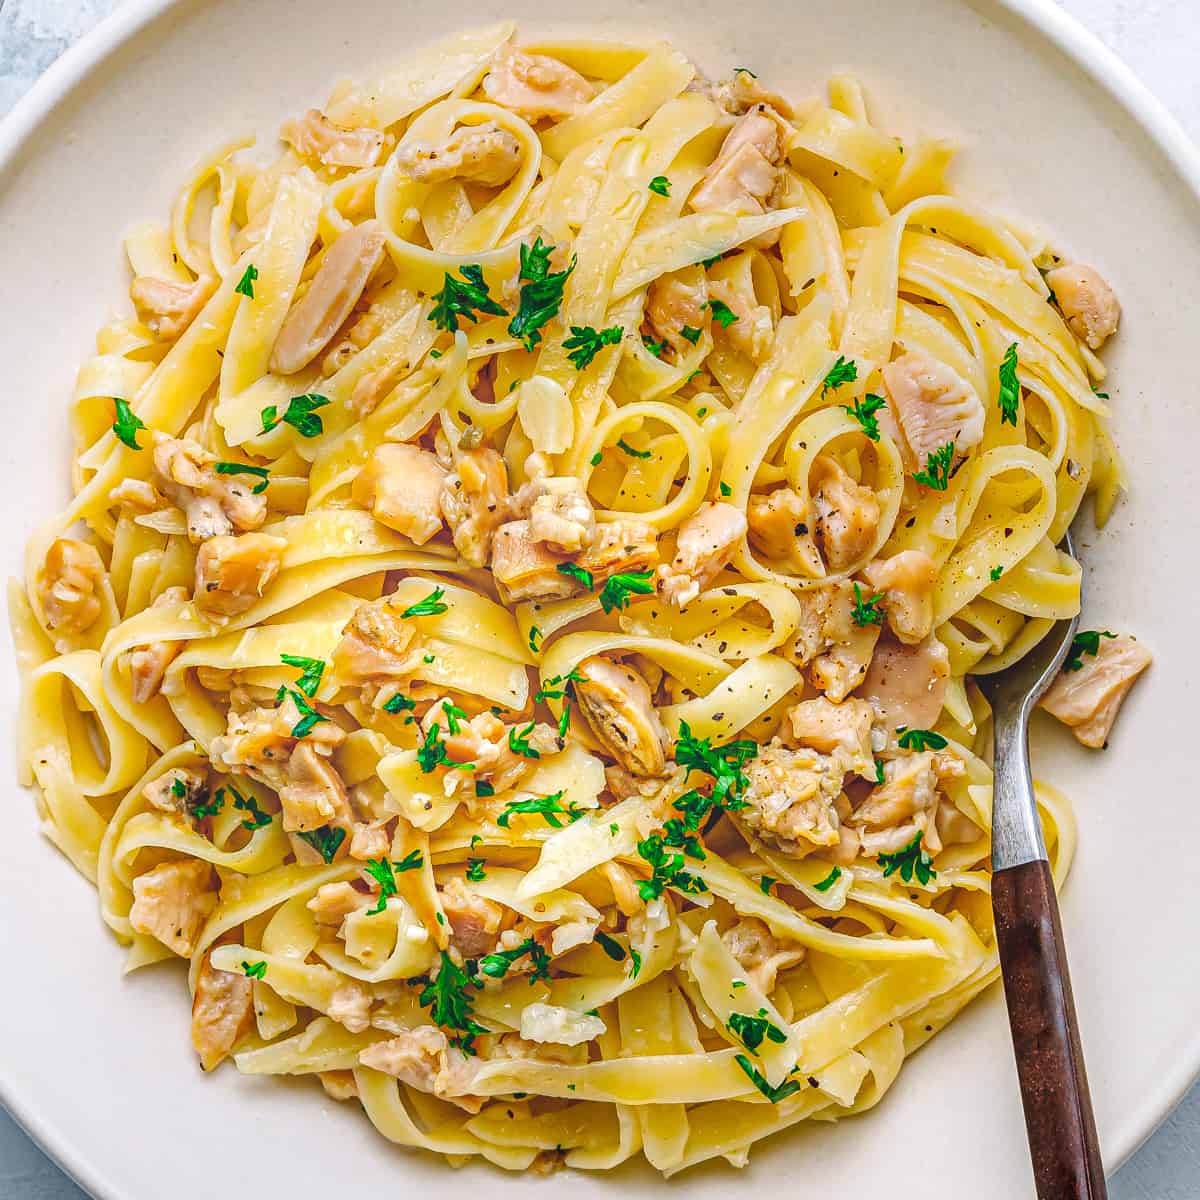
x=1041 y=1011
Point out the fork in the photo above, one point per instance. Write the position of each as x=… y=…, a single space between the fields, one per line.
x=1037 y=985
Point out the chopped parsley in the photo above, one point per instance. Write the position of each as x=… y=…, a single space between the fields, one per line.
x=207 y=807
x=691 y=333
x=745 y=71
x=937 y=469
x=496 y=965
x=300 y=414
x=866 y=612
x=308 y=715
x=311 y=670
x=550 y=807
x=449 y=1002
x=463 y=298
x=518 y=741
x=724 y=488
x=325 y=841
x=1087 y=642
x=535 y=636
x=382 y=872
x=912 y=859
x=257 y=817
x=667 y=871
x=254 y=970
x=610 y=946
x=843 y=371
x=995 y=573
x=432 y=753
x=483 y=789
x=920 y=739
x=431 y=606
x=126 y=423
x=232 y=468
x=475 y=871
x=1010 y=387
x=721 y=313
x=579 y=574
x=617 y=590
x=723 y=763
x=660 y=185
x=879 y=770
x=399 y=703
x=751 y=1031
x=635 y=963
x=789 y=1087
x=766 y=883
x=541 y=293
x=595 y=459
x=632 y=451
x=585 y=343
x=245 y=285
x=658 y=349
x=454 y=716
x=829 y=880
x=864 y=410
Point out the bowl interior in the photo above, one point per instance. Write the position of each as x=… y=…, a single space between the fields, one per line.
x=100 y=1066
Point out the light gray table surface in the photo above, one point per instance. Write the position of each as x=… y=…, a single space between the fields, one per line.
x=1159 y=39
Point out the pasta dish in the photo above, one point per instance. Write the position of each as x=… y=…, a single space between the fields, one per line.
x=514 y=629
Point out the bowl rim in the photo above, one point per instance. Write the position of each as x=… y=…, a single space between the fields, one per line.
x=1045 y=18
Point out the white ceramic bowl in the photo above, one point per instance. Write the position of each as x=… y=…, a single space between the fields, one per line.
x=99 y=1068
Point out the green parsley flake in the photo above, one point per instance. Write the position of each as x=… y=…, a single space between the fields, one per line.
x=691 y=333
x=725 y=489
x=449 y=1002
x=257 y=817
x=843 y=371
x=667 y=871
x=463 y=298
x=766 y=883
x=497 y=965
x=788 y=1088
x=382 y=872
x=535 y=637
x=1010 y=387
x=829 y=880
x=580 y=574
x=751 y=1031
x=518 y=741
x=864 y=410
x=658 y=349
x=311 y=670
x=300 y=415
x=595 y=459
x=610 y=946
x=541 y=293
x=475 y=871
x=937 y=469
x=660 y=185
x=254 y=970
x=920 y=739
x=431 y=606
x=622 y=444
x=910 y=860
x=1087 y=642
x=126 y=423
x=995 y=573
x=483 y=789
x=585 y=343
x=635 y=963
x=325 y=841
x=399 y=703
x=617 y=590
x=866 y=612
x=550 y=807
x=721 y=313
x=232 y=468
x=246 y=284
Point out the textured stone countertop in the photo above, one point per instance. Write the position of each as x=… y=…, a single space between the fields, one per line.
x=1159 y=39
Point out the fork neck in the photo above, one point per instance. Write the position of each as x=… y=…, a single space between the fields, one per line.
x=1016 y=827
